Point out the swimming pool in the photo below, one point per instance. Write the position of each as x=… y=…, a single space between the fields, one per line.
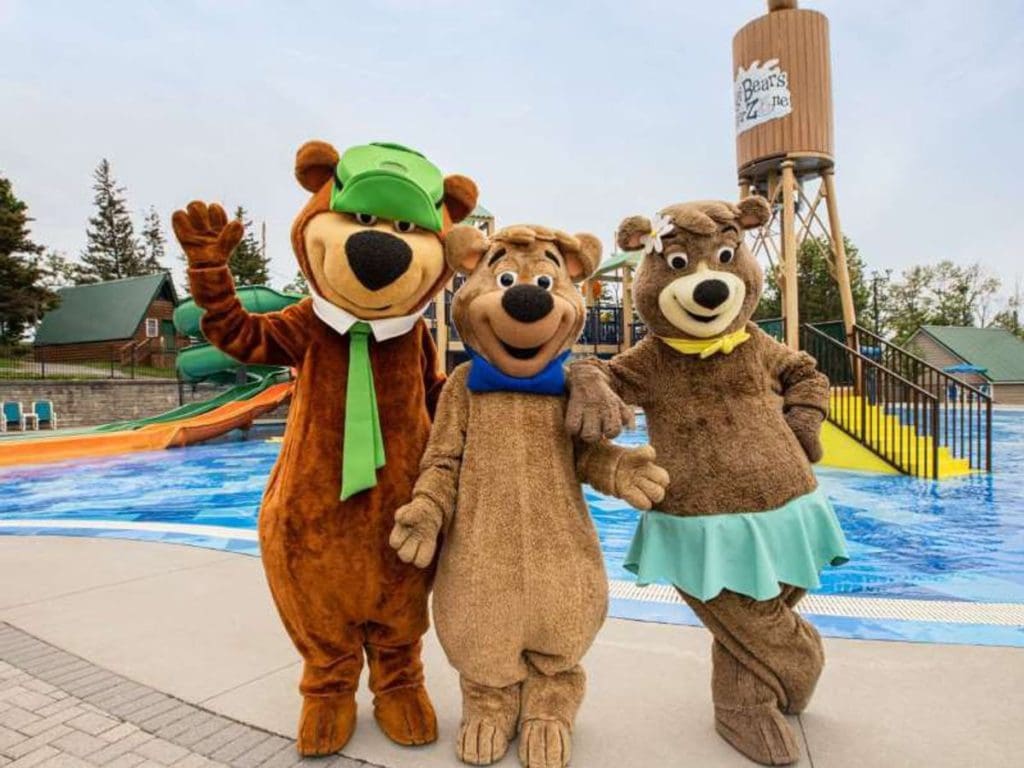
x=932 y=561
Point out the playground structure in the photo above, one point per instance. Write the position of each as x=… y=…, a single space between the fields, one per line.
x=256 y=390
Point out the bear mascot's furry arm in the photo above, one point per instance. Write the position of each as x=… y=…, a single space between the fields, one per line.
x=743 y=530
x=370 y=243
x=521 y=588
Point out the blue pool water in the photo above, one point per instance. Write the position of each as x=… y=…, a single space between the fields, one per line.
x=960 y=539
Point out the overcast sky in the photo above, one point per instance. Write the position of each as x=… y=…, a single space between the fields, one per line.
x=572 y=114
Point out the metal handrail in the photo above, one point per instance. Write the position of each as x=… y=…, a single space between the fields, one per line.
x=859 y=329
x=914 y=411
x=966 y=411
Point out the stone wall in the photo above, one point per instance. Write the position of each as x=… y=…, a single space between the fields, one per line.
x=87 y=403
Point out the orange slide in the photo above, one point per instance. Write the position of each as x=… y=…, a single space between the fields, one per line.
x=233 y=415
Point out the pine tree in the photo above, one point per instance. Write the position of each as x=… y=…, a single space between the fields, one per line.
x=298 y=285
x=154 y=245
x=248 y=264
x=112 y=251
x=23 y=297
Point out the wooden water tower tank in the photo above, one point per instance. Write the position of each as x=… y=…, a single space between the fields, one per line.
x=783 y=89
x=782 y=86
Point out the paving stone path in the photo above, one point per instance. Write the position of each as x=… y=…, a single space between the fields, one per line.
x=60 y=711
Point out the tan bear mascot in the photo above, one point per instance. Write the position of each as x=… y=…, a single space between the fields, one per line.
x=370 y=243
x=735 y=416
x=521 y=588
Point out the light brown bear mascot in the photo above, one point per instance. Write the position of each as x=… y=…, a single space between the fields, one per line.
x=735 y=417
x=370 y=243
x=521 y=588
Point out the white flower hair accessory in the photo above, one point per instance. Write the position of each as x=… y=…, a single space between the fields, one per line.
x=660 y=227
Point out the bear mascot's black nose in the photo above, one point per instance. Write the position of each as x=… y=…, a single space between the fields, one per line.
x=711 y=293
x=377 y=258
x=527 y=303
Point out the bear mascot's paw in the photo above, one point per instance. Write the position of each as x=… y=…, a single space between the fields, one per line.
x=638 y=480
x=326 y=724
x=545 y=744
x=481 y=741
x=206 y=235
x=594 y=411
x=406 y=715
x=760 y=733
x=806 y=425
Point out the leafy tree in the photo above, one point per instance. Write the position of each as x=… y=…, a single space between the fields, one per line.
x=938 y=294
x=23 y=297
x=112 y=251
x=819 y=299
x=154 y=244
x=248 y=264
x=1010 y=317
x=299 y=284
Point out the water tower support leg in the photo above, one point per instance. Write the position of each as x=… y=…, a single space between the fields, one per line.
x=839 y=255
x=790 y=295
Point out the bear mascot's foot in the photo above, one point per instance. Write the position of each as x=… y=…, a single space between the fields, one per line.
x=481 y=741
x=326 y=724
x=761 y=733
x=544 y=744
x=406 y=715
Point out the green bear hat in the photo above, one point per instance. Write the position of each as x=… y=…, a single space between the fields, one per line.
x=391 y=182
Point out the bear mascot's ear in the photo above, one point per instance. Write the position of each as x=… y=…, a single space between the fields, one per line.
x=460 y=196
x=315 y=163
x=754 y=212
x=630 y=232
x=464 y=246
x=582 y=263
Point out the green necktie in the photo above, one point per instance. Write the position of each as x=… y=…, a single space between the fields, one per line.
x=363 y=449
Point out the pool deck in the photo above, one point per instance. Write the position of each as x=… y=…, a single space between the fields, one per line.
x=197 y=625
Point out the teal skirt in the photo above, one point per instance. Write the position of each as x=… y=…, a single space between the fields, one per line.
x=751 y=553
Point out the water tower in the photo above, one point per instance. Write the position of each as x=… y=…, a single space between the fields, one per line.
x=784 y=146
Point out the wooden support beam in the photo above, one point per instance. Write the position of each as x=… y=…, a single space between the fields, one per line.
x=839 y=255
x=790 y=289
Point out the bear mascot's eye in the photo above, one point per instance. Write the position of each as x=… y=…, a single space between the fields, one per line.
x=678 y=260
x=507 y=279
x=405 y=226
x=544 y=281
x=726 y=255
x=366 y=219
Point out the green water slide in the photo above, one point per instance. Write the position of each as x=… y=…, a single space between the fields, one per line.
x=203 y=361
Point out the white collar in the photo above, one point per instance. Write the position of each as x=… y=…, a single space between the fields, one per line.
x=340 y=320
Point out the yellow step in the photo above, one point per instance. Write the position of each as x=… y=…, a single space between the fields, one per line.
x=885 y=434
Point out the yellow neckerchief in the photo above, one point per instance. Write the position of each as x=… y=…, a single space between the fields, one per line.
x=708 y=347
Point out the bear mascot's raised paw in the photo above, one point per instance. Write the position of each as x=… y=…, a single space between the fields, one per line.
x=370 y=244
x=743 y=530
x=521 y=588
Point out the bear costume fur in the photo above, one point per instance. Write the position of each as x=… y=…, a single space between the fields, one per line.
x=735 y=417
x=521 y=589
x=341 y=591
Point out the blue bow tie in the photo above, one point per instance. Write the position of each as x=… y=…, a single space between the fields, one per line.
x=484 y=377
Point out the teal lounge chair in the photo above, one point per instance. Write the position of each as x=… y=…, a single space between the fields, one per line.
x=14 y=415
x=45 y=415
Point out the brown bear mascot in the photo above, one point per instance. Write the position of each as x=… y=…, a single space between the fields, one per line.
x=735 y=417
x=370 y=244
x=521 y=588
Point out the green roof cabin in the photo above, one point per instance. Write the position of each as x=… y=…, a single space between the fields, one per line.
x=995 y=354
x=120 y=320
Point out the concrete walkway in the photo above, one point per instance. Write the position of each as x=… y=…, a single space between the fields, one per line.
x=199 y=626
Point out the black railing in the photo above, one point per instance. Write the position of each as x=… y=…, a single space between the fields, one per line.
x=133 y=360
x=889 y=414
x=965 y=412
